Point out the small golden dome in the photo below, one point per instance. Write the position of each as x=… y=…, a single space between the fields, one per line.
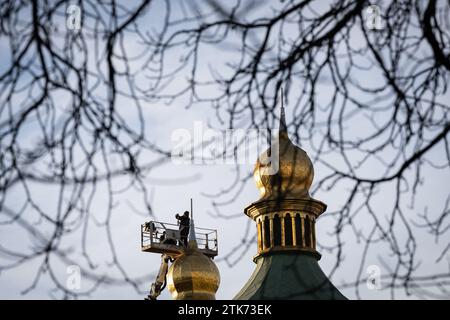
x=193 y=276
x=292 y=177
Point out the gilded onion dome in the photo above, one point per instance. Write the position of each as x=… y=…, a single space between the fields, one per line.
x=193 y=276
x=285 y=213
x=285 y=216
x=284 y=170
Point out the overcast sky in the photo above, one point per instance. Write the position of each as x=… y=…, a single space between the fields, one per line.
x=172 y=185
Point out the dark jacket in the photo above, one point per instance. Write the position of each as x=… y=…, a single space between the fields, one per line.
x=184 y=224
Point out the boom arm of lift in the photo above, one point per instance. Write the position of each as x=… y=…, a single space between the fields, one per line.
x=160 y=282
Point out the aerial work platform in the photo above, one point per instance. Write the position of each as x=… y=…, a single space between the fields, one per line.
x=164 y=238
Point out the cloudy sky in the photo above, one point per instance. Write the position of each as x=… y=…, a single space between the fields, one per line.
x=172 y=184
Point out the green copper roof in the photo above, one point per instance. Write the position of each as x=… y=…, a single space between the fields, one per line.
x=288 y=276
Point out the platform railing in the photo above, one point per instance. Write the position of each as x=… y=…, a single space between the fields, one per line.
x=155 y=233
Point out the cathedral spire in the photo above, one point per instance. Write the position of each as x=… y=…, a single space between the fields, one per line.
x=285 y=216
x=193 y=275
x=192 y=238
x=283 y=126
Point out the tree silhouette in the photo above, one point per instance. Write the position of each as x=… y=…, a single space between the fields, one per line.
x=370 y=106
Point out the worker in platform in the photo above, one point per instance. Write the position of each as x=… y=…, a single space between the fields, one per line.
x=184 y=222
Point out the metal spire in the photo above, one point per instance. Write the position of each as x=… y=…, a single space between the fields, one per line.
x=192 y=227
x=283 y=126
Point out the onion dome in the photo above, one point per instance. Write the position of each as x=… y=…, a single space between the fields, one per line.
x=193 y=276
x=285 y=214
x=285 y=217
x=284 y=170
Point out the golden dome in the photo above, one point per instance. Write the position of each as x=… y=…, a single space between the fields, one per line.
x=291 y=177
x=193 y=276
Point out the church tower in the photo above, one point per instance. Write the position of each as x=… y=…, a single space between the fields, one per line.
x=285 y=217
